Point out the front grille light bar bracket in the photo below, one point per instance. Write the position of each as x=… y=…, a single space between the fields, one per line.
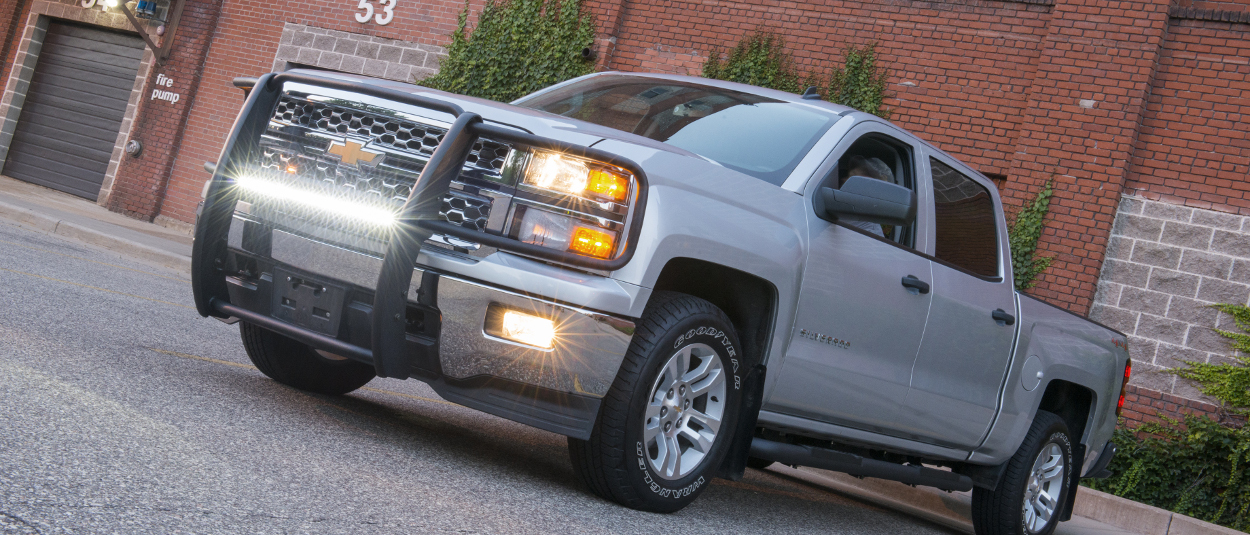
x=416 y=222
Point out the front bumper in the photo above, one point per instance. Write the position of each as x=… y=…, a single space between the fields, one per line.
x=404 y=311
x=558 y=390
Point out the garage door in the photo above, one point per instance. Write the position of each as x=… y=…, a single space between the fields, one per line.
x=74 y=108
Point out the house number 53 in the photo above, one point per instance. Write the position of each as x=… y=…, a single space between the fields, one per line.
x=383 y=18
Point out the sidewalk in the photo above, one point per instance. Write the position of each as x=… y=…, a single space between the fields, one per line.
x=76 y=218
x=1096 y=513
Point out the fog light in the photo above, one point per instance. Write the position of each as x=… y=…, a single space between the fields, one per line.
x=527 y=329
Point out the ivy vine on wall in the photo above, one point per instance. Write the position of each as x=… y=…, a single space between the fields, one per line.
x=517 y=47
x=761 y=59
x=1023 y=235
x=1198 y=467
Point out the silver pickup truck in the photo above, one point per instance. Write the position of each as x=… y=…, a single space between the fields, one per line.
x=685 y=277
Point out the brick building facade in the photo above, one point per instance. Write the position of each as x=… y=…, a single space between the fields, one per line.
x=1136 y=111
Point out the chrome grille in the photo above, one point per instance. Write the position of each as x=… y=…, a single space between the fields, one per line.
x=469 y=211
x=371 y=183
x=409 y=136
x=408 y=145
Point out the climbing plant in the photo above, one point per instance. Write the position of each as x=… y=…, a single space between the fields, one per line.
x=1196 y=467
x=761 y=59
x=517 y=47
x=860 y=82
x=1227 y=381
x=1023 y=235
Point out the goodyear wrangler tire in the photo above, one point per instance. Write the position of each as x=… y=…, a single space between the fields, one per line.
x=1031 y=495
x=296 y=364
x=668 y=419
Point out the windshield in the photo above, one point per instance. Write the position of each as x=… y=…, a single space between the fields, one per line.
x=759 y=136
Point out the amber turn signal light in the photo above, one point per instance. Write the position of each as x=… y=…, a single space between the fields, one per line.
x=608 y=184
x=591 y=242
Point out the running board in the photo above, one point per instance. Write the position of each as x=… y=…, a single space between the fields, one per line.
x=855 y=465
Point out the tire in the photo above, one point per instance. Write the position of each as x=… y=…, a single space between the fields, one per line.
x=296 y=364
x=628 y=458
x=1011 y=509
x=758 y=463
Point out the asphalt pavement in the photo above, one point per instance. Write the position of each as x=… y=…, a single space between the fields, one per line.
x=123 y=411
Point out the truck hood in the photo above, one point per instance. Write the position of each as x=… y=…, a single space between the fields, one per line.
x=536 y=122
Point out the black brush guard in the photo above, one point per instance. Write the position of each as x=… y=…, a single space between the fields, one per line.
x=416 y=222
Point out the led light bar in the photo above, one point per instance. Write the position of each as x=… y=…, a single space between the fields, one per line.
x=372 y=214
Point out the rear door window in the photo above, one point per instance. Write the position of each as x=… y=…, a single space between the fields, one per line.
x=966 y=225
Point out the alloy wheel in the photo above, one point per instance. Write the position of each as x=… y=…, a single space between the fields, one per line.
x=1041 y=497
x=685 y=410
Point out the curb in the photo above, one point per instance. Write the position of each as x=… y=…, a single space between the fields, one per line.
x=1141 y=518
x=952 y=510
x=52 y=225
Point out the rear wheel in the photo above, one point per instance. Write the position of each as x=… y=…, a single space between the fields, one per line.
x=667 y=420
x=296 y=364
x=1030 y=497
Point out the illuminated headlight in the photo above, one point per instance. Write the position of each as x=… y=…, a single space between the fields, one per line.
x=555 y=231
x=276 y=190
x=575 y=176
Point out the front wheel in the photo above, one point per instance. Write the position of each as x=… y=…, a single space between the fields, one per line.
x=293 y=363
x=1031 y=494
x=667 y=421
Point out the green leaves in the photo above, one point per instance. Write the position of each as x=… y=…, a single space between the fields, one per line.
x=861 y=83
x=518 y=47
x=1227 y=382
x=1196 y=467
x=761 y=59
x=1023 y=235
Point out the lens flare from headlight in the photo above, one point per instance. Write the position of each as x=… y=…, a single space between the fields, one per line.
x=375 y=215
x=553 y=171
x=528 y=330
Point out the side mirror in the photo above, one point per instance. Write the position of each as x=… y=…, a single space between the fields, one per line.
x=867 y=199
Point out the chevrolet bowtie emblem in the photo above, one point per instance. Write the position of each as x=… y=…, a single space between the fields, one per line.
x=351 y=152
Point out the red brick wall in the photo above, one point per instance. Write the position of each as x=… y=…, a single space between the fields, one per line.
x=1080 y=125
x=13 y=14
x=1151 y=406
x=961 y=71
x=1194 y=146
x=244 y=45
x=140 y=184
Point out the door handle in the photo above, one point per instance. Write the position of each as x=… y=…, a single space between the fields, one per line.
x=1003 y=318
x=915 y=286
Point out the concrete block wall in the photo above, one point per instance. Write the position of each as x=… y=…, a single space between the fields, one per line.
x=1165 y=264
x=356 y=53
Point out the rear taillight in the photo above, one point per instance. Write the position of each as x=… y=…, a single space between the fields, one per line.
x=1128 y=371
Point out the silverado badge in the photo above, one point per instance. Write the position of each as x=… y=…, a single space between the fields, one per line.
x=352 y=152
x=812 y=335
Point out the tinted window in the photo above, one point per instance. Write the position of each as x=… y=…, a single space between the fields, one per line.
x=755 y=135
x=966 y=225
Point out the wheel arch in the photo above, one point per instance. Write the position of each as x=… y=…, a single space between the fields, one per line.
x=751 y=306
x=1072 y=402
